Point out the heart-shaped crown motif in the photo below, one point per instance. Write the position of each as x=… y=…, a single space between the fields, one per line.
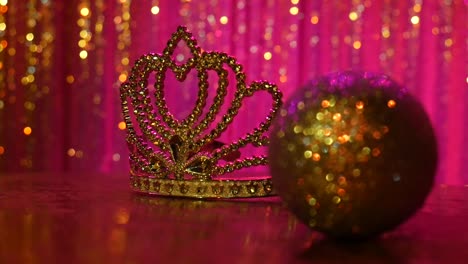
x=181 y=157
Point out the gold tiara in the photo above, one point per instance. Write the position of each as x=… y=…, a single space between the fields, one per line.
x=173 y=157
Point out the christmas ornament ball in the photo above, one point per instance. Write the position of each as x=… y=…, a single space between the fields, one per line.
x=353 y=154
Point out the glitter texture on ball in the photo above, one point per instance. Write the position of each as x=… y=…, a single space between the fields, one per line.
x=353 y=154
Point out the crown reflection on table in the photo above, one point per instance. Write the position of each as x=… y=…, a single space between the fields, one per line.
x=182 y=157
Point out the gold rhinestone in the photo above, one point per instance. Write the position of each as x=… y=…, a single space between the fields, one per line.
x=217 y=189
x=252 y=188
x=235 y=189
x=169 y=187
x=183 y=188
x=201 y=189
x=268 y=188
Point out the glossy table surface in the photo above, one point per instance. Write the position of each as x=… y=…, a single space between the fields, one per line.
x=81 y=218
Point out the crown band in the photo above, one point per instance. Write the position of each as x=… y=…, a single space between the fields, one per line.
x=181 y=157
x=203 y=189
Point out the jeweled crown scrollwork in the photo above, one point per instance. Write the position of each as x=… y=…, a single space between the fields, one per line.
x=165 y=150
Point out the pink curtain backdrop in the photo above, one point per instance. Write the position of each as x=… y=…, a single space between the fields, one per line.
x=61 y=64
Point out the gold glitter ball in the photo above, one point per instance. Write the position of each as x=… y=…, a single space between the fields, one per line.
x=357 y=167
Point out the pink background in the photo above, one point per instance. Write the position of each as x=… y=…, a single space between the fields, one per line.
x=71 y=104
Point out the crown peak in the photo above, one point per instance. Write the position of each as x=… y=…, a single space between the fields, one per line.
x=182 y=34
x=182 y=29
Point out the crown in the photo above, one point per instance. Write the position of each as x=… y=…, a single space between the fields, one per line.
x=174 y=157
